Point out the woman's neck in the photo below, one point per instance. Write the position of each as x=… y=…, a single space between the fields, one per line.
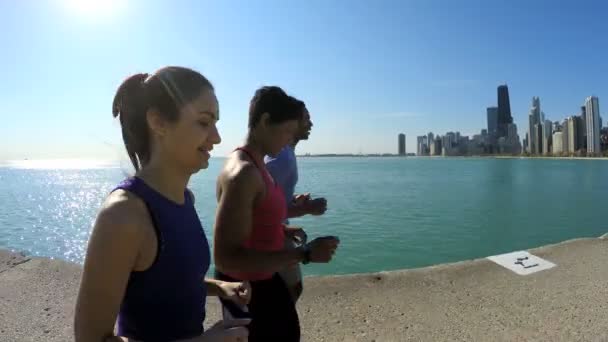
x=167 y=180
x=254 y=146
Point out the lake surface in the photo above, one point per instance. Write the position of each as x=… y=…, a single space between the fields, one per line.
x=390 y=213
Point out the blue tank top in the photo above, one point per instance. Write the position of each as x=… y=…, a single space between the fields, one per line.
x=167 y=301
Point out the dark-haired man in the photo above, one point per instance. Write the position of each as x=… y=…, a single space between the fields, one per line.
x=284 y=170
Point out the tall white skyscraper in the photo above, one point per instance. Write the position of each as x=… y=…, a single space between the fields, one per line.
x=557 y=143
x=566 y=137
x=421 y=146
x=572 y=134
x=592 y=111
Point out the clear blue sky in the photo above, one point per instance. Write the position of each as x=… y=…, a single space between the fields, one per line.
x=367 y=70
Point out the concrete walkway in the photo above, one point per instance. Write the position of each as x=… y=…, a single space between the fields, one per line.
x=468 y=301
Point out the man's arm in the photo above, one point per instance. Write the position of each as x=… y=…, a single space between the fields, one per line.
x=305 y=205
x=297 y=206
x=295 y=211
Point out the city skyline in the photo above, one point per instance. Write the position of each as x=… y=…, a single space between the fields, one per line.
x=575 y=134
x=581 y=135
x=500 y=137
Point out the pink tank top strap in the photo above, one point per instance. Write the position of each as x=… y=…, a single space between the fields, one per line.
x=259 y=164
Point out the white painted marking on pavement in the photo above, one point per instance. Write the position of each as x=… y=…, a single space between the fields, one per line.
x=522 y=262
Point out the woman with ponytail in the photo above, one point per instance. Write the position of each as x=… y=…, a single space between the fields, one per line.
x=147 y=257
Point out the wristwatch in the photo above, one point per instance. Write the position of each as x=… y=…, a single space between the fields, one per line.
x=306 y=250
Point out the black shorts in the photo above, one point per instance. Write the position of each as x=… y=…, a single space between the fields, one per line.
x=272 y=310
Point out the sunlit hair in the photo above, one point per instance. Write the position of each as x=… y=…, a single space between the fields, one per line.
x=166 y=91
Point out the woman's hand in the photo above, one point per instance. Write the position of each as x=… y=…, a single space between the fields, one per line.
x=238 y=292
x=296 y=233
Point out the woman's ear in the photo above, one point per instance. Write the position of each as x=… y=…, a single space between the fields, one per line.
x=265 y=119
x=157 y=124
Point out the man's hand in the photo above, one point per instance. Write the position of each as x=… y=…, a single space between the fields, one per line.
x=308 y=206
x=301 y=199
x=317 y=206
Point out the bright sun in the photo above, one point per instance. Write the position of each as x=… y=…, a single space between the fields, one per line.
x=94 y=8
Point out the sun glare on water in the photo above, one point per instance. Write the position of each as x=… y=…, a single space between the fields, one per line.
x=59 y=164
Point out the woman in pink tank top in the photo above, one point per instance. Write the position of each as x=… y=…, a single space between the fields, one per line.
x=249 y=231
x=268 y=215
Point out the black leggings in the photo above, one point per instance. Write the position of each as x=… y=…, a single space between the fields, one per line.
x=273 y=312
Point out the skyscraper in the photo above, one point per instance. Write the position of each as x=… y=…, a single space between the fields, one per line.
x=557 y=143
x=566 y=138
x=450 y=140
x=492 y=114
x=531 y=134
x=425 y=146
x=504 y=110
x=401 y=144
x=584 y=127
x=547 y=133
x=534 y=119
x=512 y=140
x=512 y=132
x=592 y=111
x=436 y=147
x=538 y=138
x=557 y=126
x=572 y=134
x=421 y=149
x=581 y=136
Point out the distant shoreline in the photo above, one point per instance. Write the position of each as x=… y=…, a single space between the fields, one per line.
x=96 y=164
x=461 y=157
x=543 y=157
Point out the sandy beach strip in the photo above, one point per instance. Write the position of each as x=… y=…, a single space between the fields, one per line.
x=474 y=300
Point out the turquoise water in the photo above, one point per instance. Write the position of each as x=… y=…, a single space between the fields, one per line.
x=390 y=213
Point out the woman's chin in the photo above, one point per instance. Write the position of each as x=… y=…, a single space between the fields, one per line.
x=200 y=165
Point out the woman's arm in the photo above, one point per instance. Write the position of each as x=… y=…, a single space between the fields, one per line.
x=233 y=227
x=238 y=292
x=214 y=288
x=111 y=256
